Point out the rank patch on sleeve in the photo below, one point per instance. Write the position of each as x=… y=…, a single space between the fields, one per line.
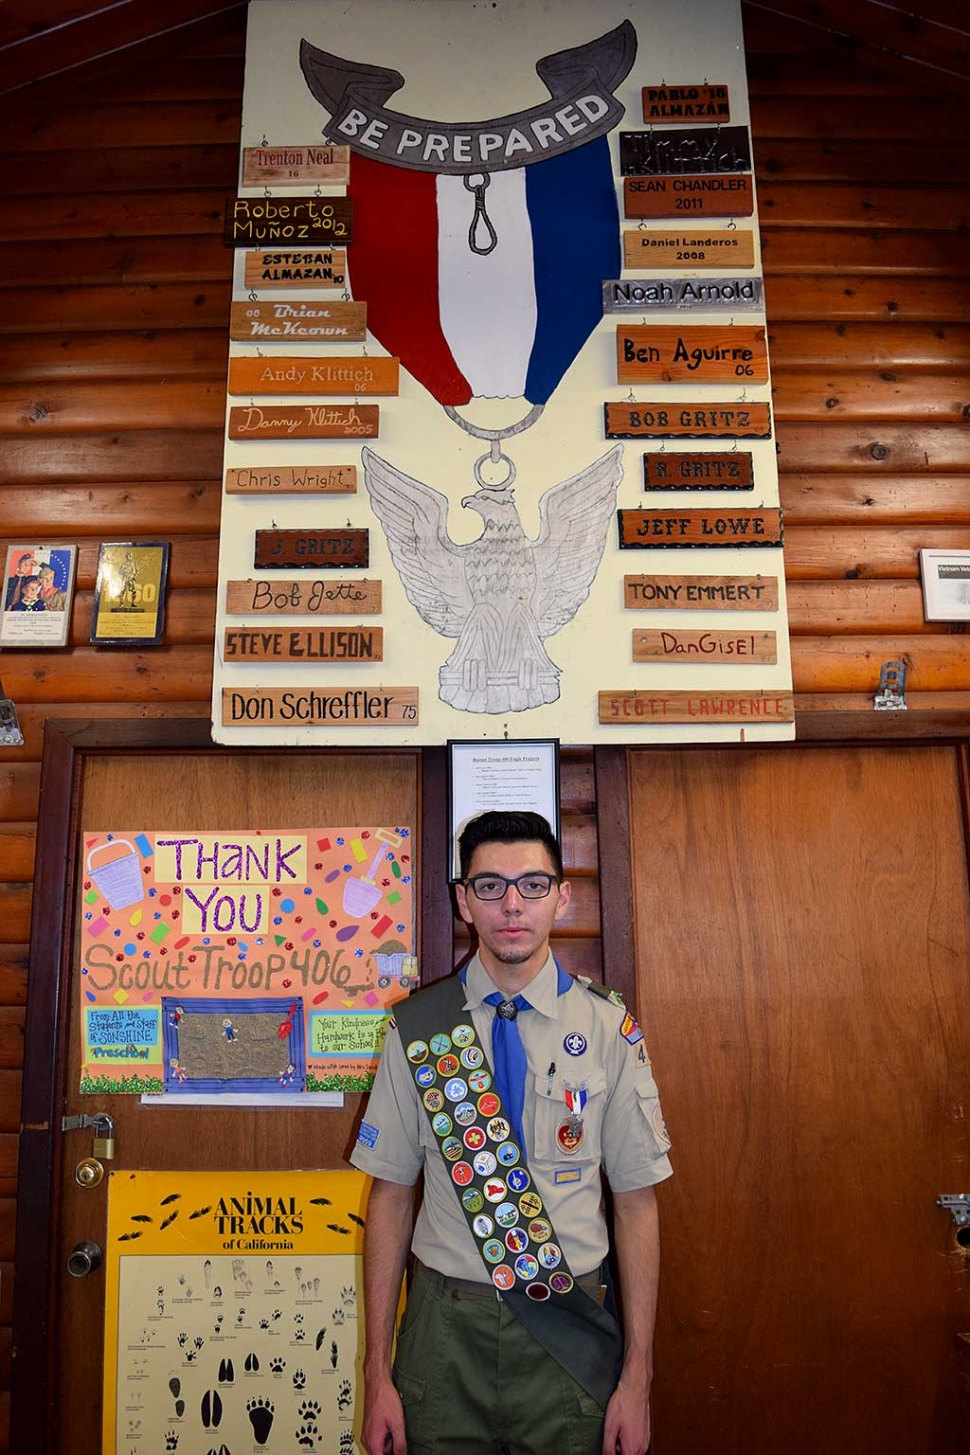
x=368 y=1135
x=630 y=1031
x=568 y=1174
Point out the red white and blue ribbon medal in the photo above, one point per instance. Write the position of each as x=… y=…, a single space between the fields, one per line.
x=571 y=1134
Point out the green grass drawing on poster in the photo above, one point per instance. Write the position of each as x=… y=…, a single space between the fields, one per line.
x=142 y=1085
x=339 y=1083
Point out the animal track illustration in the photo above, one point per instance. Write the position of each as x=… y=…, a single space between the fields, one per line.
x=252 y=1364
x=347 y=1442
x=277 y=1365
x=345 y=1395
x=226 y=1372
x=348 y=1296
x=309 y=1411
x=171 y=1442
x=264 y=1323
x=299 y=1380
x=261 y=1413
x=333 y=1355
x=211 y=1409
x=306 y=1435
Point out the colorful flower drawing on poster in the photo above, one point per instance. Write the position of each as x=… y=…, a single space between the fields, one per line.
x=220 y=961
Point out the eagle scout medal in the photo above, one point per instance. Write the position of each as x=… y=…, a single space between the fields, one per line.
x=570 y=1137
x=575 y=1098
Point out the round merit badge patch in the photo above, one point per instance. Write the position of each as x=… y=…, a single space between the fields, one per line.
x=472 y=1200
x=440 y=1044
x=463 y=1035
x=518 y=1179
x=417 y=1052
x=433 y=1099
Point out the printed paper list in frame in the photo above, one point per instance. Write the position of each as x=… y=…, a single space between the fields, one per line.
x=312 y=549
x=291 y=166
x=700 y=593
x=304 y=422
x=294 y=644
x=298 y=322
x=721 y=194
x=321 y=597
x=625 y=421
x=686 y=105
x=712 y=354
x=228 y=944
x=633 y=295
x=723 y=249
x=332 y=707
x=699 y=470
x=293 y=480
x=324 y=268
x=624 y=709
x=259 y=221
x=649 y=529
x=711 y=647
x=341 y=374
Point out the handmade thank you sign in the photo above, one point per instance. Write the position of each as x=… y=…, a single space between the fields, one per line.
x=435 y=287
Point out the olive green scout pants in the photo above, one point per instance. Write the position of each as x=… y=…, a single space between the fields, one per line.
x=473 y=1381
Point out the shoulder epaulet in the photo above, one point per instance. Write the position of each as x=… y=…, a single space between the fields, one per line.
x=603 y=991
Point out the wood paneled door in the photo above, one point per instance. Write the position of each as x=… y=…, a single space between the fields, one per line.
x=803 y=940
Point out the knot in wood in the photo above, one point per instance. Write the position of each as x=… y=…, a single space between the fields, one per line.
x=879 y=452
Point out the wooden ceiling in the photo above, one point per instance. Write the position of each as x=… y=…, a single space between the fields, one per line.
x=61 y=40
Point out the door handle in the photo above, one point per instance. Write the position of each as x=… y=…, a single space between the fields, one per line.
x=84 y=1258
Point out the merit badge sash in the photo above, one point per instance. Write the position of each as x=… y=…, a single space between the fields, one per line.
x=512 y=1229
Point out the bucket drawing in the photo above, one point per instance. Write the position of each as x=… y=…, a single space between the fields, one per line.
x=120 y=881
x=362 y=895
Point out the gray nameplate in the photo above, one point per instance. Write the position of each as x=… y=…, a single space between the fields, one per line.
x=635 y=295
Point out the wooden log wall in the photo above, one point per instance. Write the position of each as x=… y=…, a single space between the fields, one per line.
x=114 y=304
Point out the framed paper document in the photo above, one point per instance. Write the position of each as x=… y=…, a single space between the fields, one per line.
x=518 y=775
x=129 y=595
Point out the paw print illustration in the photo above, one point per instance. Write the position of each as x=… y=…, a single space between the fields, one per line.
x=297 y=1318
x=339 y=1316
x=306 y=1435
x=171 y=1442
x=241 y=1314
x=277 y=1365
x=182 y=1339
x=198 y=1341
x=347 y=1442
x=264 y=1323
x=260 y=1412
x=309 y=1412
x=347 y=1296
x=277 y=1314
x=345 y=1395
x=299 y=1380
x=299 y=1335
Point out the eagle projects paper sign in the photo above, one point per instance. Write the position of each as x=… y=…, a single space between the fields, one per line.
x=260 y=963
x=490 y=150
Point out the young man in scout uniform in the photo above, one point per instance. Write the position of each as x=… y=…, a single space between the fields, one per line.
x=511 y=1086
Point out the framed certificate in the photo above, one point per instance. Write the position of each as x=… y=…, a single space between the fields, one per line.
x=129 y=595
x=38 y=583
x=946 y=585
x=519 y=775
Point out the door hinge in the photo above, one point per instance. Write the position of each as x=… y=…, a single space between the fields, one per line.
x=957 y=1204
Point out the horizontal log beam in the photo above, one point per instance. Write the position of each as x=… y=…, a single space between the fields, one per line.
x=33 y=716
x=865 y=394
x=775 y=74
x=852 y=664
x=122 y=169
x=126 y=309
x=883 y=30
x=819 y=553
x=15 y=902
x=952 y=704
x=85 y=674
x=863 y=250
x=189 y=618
x=59 y=407
x=124 y=124
x=192 y=563
x=217 y=78
x=108 y=214
x=165 y=455
x=88 y=263
x=854 y=499
x=846 y=204
x=942 y=348
x=855 y=118
x=19 y=792
x=814 y=160
x=861 y=298
x=858 y=608
x=17 y=855
x=887 y=449
x=175 y=356
x=13 y=974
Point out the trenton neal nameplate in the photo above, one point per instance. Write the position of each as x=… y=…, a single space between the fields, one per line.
x=305 y=644
x=687 y=421
x=709 y=149
x=699 y=470
x=343 y=374
x=713 y=354
x=686 y=105
x=304 y=422
x=726 y=248
x=651 y=528
x=635 y=295
x=727 y=194
x=311 y=548
x=291 y=166
x=314 y=268
x=253 y=222
x=346 y=322
x=377 y=706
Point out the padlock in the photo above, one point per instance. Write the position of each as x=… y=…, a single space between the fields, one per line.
x=104 y=1137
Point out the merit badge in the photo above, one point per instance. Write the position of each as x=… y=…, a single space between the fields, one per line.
x=569 y=1138
x=516 y=1240
x=485 y=1164
x=493 y=1251
x=507 y=1153
x=507 y=1215
x=463 y=1035
x=483 y=1225
x=441 y=1125
x=530 y=1205
x=479 y=1081
x=518 y=1179
x=451 y=1148
x=456 y=1089
x=464 y=1113
x=540 y=1230
x=474 y=1139
x=526 y=1266
x=472 y=1200
x=447 y=1065
x=433 y=1100
x=425 y=1076
x=503 y=1277
x=575 y=1098
x=630 y=1031
x=498 y=1129
x=550 y=1255
x=417 y=1052
x=472 y=1057
x=538 y=1292
x=495 y=1189
x=574 y=1044
x=489 y=1104
x=440 y=1044
x=560 y=1283
x=462 y=1173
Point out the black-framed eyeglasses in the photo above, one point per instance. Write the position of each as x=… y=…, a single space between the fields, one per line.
x=496 y=886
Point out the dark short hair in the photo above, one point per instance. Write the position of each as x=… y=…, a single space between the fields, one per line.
x=499 y=827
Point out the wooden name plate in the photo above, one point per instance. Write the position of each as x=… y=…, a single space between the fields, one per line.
x=298 y=321
x=300 y=644
x=344 y=374
x=291 y=166
x=324 y=596
x=688 y=421
x=624 y=708
x=726 y=194
x=294 y=480
x=700 y=593
x=686 y=105
x=699 y=470
x=634 y=295
x=710 y=646
x=305 y=422
x=648 y=529
x=713 y=150
x=378 y=706
x=320 y=268
x=288 y=221
x=715 y=354
x=724 y=249
x=311 y=548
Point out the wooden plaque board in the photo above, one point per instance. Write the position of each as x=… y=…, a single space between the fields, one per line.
x=720 y=194
x=304 y=422
x=732 y=648
x=306 y=644
x=298 y=322
x=340 y=374
x=722 y=249
x=637 y=295
x=686 y=105
x=323 y=596
x=741 y=529
x=705 y=151
x=311 y=549
x=704 y=708
x=699 y=470
x=293 y=480
x=291 y=166
x=319 y=268
x=255 y=222
x=700 y=593
x=712 y=354
x=327 y=707
x=688 y=421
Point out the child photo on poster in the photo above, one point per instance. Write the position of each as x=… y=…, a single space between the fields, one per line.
x=37 y=587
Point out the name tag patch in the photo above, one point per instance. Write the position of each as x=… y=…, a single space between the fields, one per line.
x=368 y=1135
x=568 y=1174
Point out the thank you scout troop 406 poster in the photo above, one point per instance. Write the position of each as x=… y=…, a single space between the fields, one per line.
x=261 y=962
x=499 y=452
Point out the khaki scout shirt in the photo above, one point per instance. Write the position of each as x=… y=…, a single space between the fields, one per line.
x=570 y=1040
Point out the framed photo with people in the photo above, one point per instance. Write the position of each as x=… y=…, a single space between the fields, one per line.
x=129 y=594
x=38 y=586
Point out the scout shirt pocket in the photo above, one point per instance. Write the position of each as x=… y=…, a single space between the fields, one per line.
x=653 y=1128
x=552 y=1140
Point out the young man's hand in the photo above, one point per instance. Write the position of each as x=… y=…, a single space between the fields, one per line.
x=627 y=1424
x=383 y=1428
